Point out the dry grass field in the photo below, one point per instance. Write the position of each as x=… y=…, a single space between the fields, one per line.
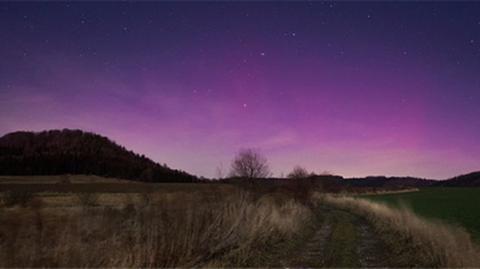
x=109 y=224
x=171 y=225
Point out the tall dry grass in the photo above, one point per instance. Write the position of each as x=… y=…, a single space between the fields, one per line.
x=422 y=242
x=226 y=231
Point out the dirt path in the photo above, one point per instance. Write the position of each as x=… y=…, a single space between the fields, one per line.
x=371 y=250
x=341 y=240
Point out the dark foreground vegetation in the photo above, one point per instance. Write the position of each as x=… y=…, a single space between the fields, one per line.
x=218 y=225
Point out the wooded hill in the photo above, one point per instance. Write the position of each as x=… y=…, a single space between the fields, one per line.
x=77 y=152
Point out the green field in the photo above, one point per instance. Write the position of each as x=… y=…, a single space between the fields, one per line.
x=458 y=206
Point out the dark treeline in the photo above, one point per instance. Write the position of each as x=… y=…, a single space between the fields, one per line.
x=334 y=183
x=385 y=182
x=468 y=180
x=76 y=152
x=66 y=151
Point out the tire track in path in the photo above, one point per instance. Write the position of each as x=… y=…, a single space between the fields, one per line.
x=342 y=239
x=372 y=251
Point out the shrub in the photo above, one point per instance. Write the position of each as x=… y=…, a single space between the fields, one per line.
x=301 y=189
x=87 y=198
x=146 y=199
x=22 y=198
x=65 y=179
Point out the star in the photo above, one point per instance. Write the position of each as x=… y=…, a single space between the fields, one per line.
x=294 y=34
x=244 y=105
x=262 y=53
x=405 y=52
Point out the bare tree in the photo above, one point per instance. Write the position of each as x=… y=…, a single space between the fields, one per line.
x=250 y=164
x=298 y=172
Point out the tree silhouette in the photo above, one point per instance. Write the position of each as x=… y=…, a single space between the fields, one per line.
x=298 y=172
x=249 y=164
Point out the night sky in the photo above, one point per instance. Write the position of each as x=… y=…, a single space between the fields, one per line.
x=355 y=89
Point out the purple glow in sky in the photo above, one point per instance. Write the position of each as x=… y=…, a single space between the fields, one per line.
x=352 y=88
